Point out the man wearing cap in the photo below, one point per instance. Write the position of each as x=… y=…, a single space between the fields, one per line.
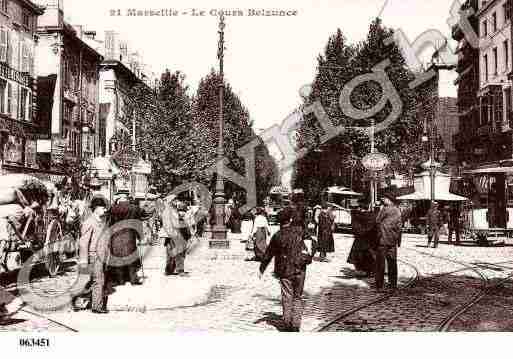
x=389 y=238
x=94 y=250
x=291 y=255
x=434 y=222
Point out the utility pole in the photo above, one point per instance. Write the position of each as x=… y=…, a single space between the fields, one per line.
x=219 y=229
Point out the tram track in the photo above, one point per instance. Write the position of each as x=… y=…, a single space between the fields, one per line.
x=447 y=320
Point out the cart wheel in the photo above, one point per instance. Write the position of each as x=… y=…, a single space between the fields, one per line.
x=53 y=258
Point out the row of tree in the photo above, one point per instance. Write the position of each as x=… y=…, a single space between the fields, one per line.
x=341 y=156
x=179 y=133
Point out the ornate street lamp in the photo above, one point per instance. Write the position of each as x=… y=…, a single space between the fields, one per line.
x=219 y=229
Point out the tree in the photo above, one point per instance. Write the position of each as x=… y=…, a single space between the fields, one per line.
x=340 y=64
x=162 y=124
x=204 y=135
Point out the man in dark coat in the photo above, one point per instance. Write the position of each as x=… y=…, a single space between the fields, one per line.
x=454 y=223
x=389 y=238
x=124 y=241
x=291 y=256
x=434 y=222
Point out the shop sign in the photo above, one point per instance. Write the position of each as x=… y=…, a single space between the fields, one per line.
x=375 y=161
x=14 y=149
x=30 y=154
x=58 y=149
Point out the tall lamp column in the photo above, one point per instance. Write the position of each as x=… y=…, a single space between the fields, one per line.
x=219 y=230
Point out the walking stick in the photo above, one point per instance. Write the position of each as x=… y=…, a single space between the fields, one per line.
x=142 y=264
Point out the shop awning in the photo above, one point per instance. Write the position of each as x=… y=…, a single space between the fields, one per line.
x=342 y=190
x=421 y=196
x=490 y=170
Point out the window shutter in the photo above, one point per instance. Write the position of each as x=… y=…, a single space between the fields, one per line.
x=9 y=99
x=3 y=45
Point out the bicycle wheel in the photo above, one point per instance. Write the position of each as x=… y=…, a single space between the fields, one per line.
x=52 y=253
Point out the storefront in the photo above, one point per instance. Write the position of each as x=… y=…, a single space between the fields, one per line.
x=490 y=189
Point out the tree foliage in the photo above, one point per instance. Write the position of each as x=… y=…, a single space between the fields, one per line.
x=337 y=66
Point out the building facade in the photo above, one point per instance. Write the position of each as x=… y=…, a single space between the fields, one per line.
x=68 y=79
x=494 y=96
x=18 y=125
x=121 y=71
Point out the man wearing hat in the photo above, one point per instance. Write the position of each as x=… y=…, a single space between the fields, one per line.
x=291 y=255
x=389 y=225
x=94 y=250
x=434 y=222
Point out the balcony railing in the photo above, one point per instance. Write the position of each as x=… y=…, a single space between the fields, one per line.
x=9 y=73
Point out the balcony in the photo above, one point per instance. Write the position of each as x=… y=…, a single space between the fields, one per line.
x=9 y=73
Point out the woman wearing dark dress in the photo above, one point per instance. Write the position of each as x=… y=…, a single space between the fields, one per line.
x=235 y=220
x=325 y=234
x=363 y=223
x=261 y=230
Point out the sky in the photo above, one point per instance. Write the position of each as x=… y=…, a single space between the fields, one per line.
x=267 y=59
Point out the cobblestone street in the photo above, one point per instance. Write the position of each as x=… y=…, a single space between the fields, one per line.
x=223 y=293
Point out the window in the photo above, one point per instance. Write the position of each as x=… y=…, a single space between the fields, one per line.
x=3 y=45
x=485 y=29
x=494 y=21
x=507 y=98
x=506 y=8
x=3 y=93
x=25 y=57
x=23 y=104
x=485 y=59
x=495 y=61
x=506 y=55
x=27 y=20
x=10 y=103
x=3 y=5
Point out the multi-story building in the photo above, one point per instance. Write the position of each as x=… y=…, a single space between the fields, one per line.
x=121 y=70
x=18 y=19
x=468 y=85
x=493 y=129
x=485 y=142
x=68 y=79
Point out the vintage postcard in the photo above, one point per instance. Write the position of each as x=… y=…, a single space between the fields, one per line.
x=255 y=167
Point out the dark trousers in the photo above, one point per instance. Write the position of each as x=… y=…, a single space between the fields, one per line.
x=175 y=262
x=433 y=234
x=291 y=300
x=98 y=290
x=457 y=231
x=388 y=254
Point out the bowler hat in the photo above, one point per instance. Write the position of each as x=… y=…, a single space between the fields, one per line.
x=98 y=201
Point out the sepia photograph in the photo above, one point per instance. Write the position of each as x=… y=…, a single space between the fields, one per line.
x=241 y=167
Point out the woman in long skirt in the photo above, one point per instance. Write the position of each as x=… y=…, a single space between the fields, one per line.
x=261 y=230
x=326 y=227
x=361 y=255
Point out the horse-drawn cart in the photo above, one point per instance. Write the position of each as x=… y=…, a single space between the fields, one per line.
x=31 y=227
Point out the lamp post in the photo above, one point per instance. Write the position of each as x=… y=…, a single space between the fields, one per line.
x=219 y=230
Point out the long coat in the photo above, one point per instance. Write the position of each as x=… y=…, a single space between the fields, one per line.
x=287 y=248
x=124 y=240
x=364 y=228
x=326 y=242
x=389 y=224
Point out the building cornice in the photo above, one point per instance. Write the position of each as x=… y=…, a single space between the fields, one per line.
x=36 y=9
